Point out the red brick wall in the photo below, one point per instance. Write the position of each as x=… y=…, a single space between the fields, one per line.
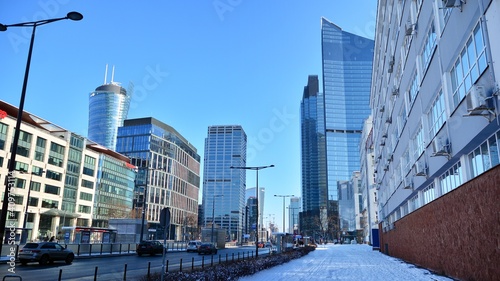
x=457 y=235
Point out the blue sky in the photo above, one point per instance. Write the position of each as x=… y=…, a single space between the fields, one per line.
x=193 y=64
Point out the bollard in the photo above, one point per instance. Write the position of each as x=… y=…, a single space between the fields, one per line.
x=120 y=248
x=192 y=264
x=166 y=267
x=219 y=258
x=125 y=273
x=212 y=260
x=180 y=266
x=101 y=250
x=149 y=269
x=78 y=250
x=60 y=275
x=226 y=257
x=95 y=274
x=238 y=256
x=203 y=262
x=90 y=250
x=233 y=257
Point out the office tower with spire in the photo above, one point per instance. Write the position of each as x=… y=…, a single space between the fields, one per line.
x=108 y=107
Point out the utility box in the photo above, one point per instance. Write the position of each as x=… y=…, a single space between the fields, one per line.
x=219 y=236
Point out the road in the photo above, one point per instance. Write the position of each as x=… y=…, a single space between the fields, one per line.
x=113 y=268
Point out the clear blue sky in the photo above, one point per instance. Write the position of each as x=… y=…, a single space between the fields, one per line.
x=193 y=64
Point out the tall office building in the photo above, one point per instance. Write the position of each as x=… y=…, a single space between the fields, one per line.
x=168 y=174
x=224 y=188
x=108 y=107
x=313 y=153
x=347 y=68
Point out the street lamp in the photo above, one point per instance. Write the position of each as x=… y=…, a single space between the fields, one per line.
x=256 y=168
x=12 y=164
x=213 y=215
x=284 y=196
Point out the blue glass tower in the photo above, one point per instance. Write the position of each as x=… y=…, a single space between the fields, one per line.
x=108 y=107
x=347 y=69
x=224 y=188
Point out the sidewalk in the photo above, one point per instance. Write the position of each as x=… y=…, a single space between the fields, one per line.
x=346 y=262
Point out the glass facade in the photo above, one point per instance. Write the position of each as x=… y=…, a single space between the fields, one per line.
x=108 y=107
x=224 y=188
x=347 y=69
x=314 y=181
x=168 y=174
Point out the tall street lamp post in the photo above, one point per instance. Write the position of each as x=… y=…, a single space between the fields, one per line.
x=12 y=164
x=284 y=196
x=213 y=215
x=256 y=168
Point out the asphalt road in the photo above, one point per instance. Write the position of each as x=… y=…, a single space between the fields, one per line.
x=113 y=268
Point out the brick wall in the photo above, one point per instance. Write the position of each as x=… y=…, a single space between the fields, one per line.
x=457 y=235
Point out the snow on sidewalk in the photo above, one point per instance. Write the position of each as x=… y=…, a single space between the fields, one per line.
x=345 y=262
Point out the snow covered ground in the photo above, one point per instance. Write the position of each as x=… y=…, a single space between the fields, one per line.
x=345 y=262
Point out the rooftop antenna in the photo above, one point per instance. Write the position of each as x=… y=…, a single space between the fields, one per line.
x=112 y=74
x=106 y=74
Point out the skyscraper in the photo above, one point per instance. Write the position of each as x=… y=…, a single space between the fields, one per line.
x=347 y=68
x=168 y=174
x=224 y=188
x=108 y=107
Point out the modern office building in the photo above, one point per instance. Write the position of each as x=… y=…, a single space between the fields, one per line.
x=294 y=208
x=224 y=188
x=108 y=108
x=168 y=175
x=436 y=133
x=250 y=192
x=62 y=181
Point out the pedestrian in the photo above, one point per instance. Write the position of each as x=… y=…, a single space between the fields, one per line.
x=52 y=239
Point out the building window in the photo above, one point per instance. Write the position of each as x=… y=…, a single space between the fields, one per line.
x=485 y=156
x=51 y=204
x=24 y=144
x=84 y=209
x=33 y=202
x=413 y=91
x=87 y=184
x=418 y=143
x=88 y=166
x=85 y=196
x=52 y=189
x=429 y=46
x=53 y=175
x=3 y=135
x=469 y=65
x=35 y=186
x=451 y=179
x=437 y=115
x=56 y=154
x=20 y=166
x=429 y=194
x=20 y=183
x=40 y=149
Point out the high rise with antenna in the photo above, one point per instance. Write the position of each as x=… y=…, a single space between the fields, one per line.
x=108 y=107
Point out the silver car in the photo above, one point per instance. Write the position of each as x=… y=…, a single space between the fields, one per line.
x=193 y=246
x=45 y=252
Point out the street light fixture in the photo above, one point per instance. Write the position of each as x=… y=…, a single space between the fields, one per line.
x=12 y=164
x=256 y=168
x=284 y=196
x=213 y=215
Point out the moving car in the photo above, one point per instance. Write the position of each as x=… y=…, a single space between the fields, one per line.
x=45 y=252
x=192 y=246
x=207 y=248
x=150 y=247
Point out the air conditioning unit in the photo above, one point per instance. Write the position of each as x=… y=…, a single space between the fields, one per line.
x=390 y=157
x=421 y=169
x=384 y=135
x=382 y=109
x=441 y=147
x=391 y=65
x=448 y=3
x=395 y=91
x=382 y=143
x=386 y=167
x=388 y=119
x=477 y=101
x=411 y=29
x=408 y=183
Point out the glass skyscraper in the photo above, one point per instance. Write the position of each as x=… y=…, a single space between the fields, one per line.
x=168 y=174
x=224 y=188
x=108 y=107
x=347 y=69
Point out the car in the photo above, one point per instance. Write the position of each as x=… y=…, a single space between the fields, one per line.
x=207 y=248
x=193 y=246
x=268 y=245
x=45 y=252
x=260 y=244
x=150 y=247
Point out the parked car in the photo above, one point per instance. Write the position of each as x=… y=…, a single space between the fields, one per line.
x=193 y=246
x=268 y=244
x=150 y=247
x=45 y=252
x=260 y=244
x=207 y=248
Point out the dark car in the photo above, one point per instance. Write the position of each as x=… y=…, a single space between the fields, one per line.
x=150 y=247
x=207 y=248
x=45 y=252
